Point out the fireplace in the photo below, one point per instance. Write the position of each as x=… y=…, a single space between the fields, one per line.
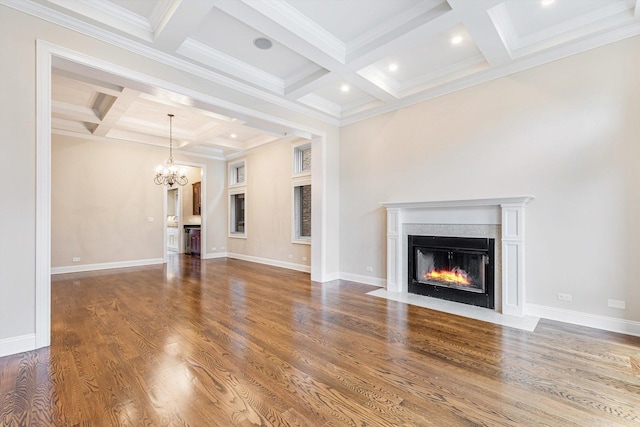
x=457 y=269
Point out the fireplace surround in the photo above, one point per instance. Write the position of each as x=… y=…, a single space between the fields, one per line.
x=500 y=218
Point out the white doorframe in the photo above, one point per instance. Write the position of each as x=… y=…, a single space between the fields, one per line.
x=45 y=51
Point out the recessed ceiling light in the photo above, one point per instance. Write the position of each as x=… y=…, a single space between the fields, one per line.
x=344 y=88
x=233 y=135
x=262 y=43
x=393 y=66
x=456 y=39
x=546 y=3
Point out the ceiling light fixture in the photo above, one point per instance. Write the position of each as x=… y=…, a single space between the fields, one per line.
x=393 y=66
x=262 y=43
x=233 y=135
x=169 y=174
x=546 y=3
x=456 y=40
x=344 y=88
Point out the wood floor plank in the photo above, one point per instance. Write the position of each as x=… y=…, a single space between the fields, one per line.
x=226 y=342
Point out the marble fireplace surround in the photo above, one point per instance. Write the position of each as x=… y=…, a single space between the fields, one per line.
x=500 y=218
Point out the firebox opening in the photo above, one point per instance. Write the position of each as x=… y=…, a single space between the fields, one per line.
x=453 y=268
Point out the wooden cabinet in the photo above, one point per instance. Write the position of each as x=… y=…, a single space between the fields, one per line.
x=173 y=238
x=194 y=237
x=196 y=198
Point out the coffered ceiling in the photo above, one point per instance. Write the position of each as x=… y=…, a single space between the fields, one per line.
x=337 y=60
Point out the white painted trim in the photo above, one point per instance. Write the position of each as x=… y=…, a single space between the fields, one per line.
x=367 y=280
x=605 y=323
x=272 y=262
x=19 y=344
x=106 y=265
x=43 y=197
x=460 y=203
x=331 y=277
x=215 y=255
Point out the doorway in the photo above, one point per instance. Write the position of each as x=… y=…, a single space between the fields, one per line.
x=183 y=206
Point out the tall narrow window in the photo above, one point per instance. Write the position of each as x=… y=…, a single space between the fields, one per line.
x=302 y=211
x=237 y=213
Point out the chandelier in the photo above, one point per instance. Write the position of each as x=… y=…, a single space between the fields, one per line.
x=169 y=174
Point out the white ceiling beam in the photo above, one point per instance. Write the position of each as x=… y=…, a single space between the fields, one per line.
x=179 y=22
x=371 y=88
x=484 y=33
x=411 y=38
x=115 y=111
x=297 y=91
x=75 y=112
x=269 y=21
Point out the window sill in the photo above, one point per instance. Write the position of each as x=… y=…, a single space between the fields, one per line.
x=237 y=236
x=304 y=174
x=301 y=241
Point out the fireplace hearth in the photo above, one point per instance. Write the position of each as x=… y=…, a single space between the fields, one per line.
x=457 y=269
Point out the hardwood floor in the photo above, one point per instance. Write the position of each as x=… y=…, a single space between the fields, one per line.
x=227 y=342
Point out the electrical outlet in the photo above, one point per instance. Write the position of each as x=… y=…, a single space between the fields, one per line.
x=150 y=219
x=290 y=256
x=213 y=248
x=304 y=258
x=564 y=297
x=369 y=269
x=76 y=259
x=616 y=303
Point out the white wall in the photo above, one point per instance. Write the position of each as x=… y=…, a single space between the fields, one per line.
x=268 y=214
x=567 y=132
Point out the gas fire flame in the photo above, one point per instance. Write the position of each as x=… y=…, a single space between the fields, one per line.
x=456 y=276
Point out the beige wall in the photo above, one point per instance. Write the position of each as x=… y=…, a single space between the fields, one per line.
x=269 y=208
x=102 y=217
x=567 y=132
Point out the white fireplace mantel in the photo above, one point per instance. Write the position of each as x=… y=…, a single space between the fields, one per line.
x=508 y=212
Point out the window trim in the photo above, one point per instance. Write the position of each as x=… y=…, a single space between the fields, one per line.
x=234 y=234
x=295 y=239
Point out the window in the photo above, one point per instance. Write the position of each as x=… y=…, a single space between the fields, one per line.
x=302 y=212
x=237 y=173
x=302 y=159
x=301 y=200
x=237 y=214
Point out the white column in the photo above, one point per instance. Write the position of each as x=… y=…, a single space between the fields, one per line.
x=513 y=278
x=394 y=250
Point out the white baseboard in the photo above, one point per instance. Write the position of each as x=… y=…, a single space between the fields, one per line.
x=17 y=344
x=329 y=277
x=367 y=280
x=215 y=255
x=606 y=323
x=272 y=262
x=106 y=265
